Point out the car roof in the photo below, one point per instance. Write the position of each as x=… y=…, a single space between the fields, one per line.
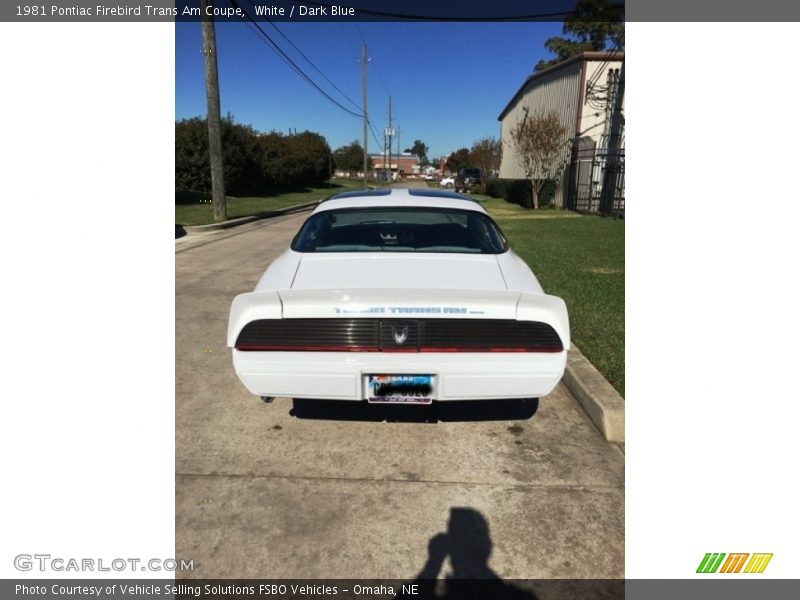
x=395 y=197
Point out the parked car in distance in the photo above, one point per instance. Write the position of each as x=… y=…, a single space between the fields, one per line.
x=403 y=296
x=447 y=182
x=466 y=179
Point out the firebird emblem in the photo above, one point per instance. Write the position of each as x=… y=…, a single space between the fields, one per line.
x=400 y=335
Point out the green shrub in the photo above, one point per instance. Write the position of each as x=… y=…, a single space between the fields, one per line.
x=547 y=194
x=494 y=187
x=518 y=191
x=254 y=163
x=477 y=189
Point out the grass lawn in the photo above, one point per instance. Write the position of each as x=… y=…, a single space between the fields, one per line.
x=580 y=258
x=194 y=208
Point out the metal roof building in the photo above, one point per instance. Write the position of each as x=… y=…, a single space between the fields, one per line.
x=581 y=90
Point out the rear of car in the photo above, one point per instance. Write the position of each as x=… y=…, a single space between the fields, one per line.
x=400 y=298
x=466 y=179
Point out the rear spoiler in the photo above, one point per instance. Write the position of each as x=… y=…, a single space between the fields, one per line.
x=546 y=309
x=250 y=307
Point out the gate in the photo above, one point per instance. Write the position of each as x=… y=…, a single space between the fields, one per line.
x=587 y=172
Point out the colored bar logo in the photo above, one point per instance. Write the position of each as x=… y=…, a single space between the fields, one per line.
x=713 y=562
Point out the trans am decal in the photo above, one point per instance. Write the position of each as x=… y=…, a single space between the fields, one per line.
x=404 y=310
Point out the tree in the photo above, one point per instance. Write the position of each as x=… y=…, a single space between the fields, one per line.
x=275 y=172
x=239 y=155
x=458 y=160
x=309 y=155
x=292 y=161
x=592 y=26
x=420 y=149
x=539 y=140
x=350 y=158
x=485 y=154
x=191 y=155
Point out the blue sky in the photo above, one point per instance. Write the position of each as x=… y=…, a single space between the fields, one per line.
x=448 y=81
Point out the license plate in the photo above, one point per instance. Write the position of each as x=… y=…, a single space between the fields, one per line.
x=399 y=389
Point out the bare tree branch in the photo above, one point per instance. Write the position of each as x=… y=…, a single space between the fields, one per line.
x=539 y=140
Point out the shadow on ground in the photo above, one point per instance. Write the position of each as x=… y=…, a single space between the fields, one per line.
x=467 y=545
x=457 y=568
x=492 y=410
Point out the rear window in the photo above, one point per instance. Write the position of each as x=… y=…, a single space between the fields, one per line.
x=400 y=230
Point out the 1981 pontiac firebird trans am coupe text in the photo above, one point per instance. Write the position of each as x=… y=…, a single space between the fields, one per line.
x=404 y=296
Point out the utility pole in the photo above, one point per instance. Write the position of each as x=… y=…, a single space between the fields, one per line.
x=610 y=176
x=389 y=133
x=214 y=125
x=398 y=151
x=364 y=103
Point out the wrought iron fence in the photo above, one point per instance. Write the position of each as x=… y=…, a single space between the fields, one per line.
x=588 y=175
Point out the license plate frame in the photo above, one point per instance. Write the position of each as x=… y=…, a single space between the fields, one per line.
x=400 y=388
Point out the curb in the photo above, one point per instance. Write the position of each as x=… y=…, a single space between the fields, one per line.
x=601 y=402
x=243 y=220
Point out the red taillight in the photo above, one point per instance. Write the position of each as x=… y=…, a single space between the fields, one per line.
x=286 y=348
x=493 y=349
x=398 y=335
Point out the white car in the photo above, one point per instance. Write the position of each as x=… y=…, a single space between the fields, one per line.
x=399 y=296
x=448 y=182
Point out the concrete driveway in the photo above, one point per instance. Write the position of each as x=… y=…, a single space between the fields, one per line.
x=325 y=490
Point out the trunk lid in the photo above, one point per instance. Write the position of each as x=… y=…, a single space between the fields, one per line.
x=381 y=270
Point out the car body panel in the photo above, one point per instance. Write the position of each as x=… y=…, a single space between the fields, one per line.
x=392 y=285
x=339 y=375
x=398 y=270
x=280 y=274
x=517 y=274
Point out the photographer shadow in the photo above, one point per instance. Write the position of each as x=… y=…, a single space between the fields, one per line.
x=468 y=545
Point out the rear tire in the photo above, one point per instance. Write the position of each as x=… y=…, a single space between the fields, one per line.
x=267 y=399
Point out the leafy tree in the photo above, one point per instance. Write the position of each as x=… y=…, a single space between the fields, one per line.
x=540 y=140
x=458 y=160
x=350 y=158
x=485 y=154
x=309 y=157
x=295 y=160
x=420 y=149
x=254 y=163
x=275 y=171
x=592 y=26
x=239 y=156
x=191 y=155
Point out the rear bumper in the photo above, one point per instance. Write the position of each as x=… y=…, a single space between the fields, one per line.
x=457 y=376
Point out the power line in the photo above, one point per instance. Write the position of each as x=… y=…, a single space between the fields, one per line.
x=378 y=143
x=380 y=80
x=360 y=33
x=374 y=135
x=615 y=49
x=346 y=39
x=375 y=64
x=309 y=61
x=285 y=57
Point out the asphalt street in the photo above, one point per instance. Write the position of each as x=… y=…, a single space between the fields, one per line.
x=322 y=490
